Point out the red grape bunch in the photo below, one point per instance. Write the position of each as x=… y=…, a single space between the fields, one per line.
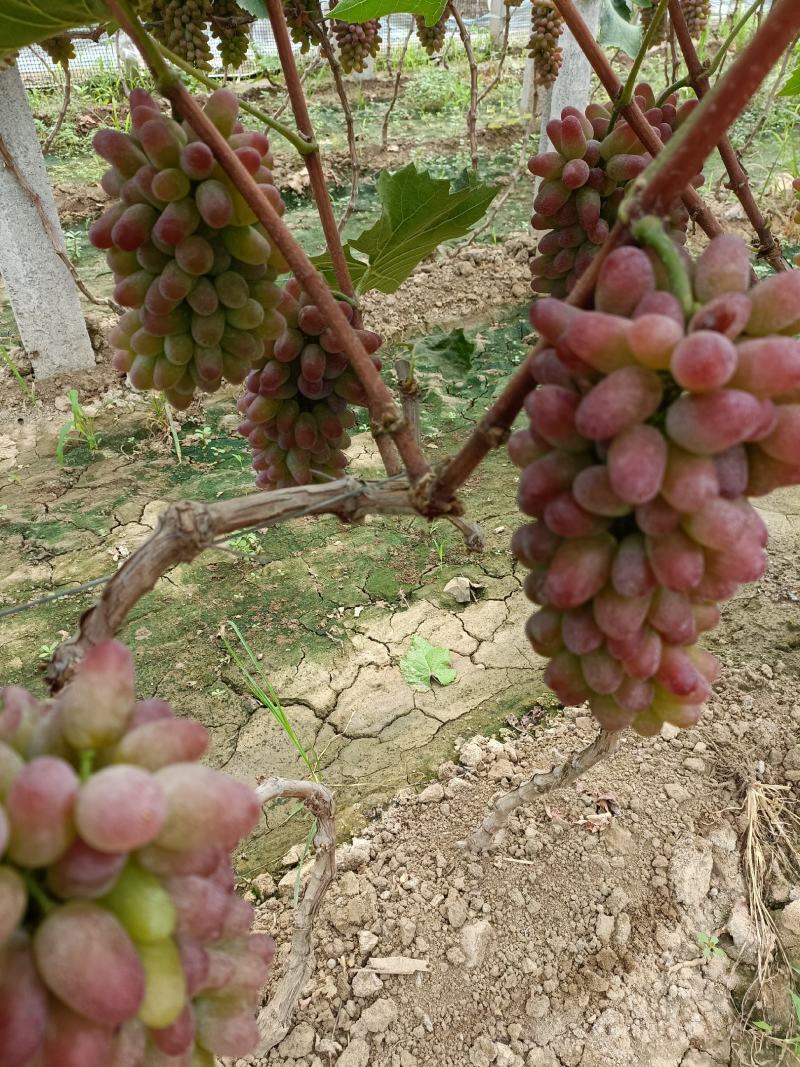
x=357 y=41
x=697 y=14
x=583 y=182
x=431 y=37
x=647 y=17
x=295 y=408
x=122 y=941
x=189 y=259
x=301 y=16
x=649 y=429
x=546 y=28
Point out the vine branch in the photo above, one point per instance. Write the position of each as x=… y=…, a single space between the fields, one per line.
x=769 y=248
x=275 y=1018
x=341 y=91
x=472 y=112
x=48 y=144
x=559 y=776
x=396 y=89
x=502 y=58
x=627 y=95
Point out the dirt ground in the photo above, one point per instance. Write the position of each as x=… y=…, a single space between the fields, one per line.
x=616 y=923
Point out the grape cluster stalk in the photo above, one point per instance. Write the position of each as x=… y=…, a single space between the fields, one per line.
x=543 y=48
x=295 y=406
x=584 y=179
x=654 y=419
x=431 y=37
x=190 y=260
x=357 y=42
x=122 y=941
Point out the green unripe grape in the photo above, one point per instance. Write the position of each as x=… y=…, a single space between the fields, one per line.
x=165 y=984
x=142 y=904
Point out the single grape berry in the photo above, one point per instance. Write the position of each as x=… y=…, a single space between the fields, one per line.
x=122 y=940
x=649 y=429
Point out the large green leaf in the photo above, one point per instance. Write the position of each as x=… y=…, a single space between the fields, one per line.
x=616 y=32
x=358 y=268
x=255 y=7
x=24 y=22
x=450 y=353
x=424 y=662
x=792 y=87
x=361 y=10
x=418 y=213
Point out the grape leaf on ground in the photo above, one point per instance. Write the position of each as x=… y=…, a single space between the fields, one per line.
x=616 y=32
x=418 y=213
x=361 y=10
x=447 y=352
x=24 y=22
x=424 y=661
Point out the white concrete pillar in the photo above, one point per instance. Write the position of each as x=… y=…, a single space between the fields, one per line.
x=573 y=84
x=528 y=93
x=497 y=18
x=41 y=290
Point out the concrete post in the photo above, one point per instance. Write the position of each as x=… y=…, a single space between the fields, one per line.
x=528 y=94
x=41 y=290
x=497 y=18
x=573 y=83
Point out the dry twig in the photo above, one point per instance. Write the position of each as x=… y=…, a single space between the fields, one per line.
x=48 y=144
x=397 y=78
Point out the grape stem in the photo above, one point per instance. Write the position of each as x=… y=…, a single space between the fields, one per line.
x=35 y=891
x=627 y=94
x=650 y=231
x=472 y=111
x=769 y=247
x=86 y=764
x=304 y=146
x=559 y=776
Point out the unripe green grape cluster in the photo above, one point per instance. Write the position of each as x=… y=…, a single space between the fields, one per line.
x=300 y=15
x=431 y=37
x=189 y=258
x=584 y=179
x=295 y=408
x=181 y=25
x=357 y=42
x=122 y=941
x=232 y=32
x=543 y=48
x=649 y=429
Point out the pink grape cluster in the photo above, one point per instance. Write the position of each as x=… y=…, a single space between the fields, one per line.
x=189 y=258
x=122 y=941
x=357 y=41
x=697 y=14
x=543 y=48
x=649 y=429
x=431 y=37
x=583 y=183
x=295 y=407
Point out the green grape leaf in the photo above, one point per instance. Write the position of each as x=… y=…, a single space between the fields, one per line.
x=424 y=661
x=418 y=212
x=446 y=352
x=361 y=10
x=792 y=87
x=357 y=267
x=257 y=8
x=616 y=32
x=24 y=22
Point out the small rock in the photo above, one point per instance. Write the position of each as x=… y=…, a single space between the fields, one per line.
x=456 y=909
x=743 y=933
x=506 y=1057
x=366 y=984
x=617 y=901
x=694 y=763
x=407 y=1059
x=460 y=589
x=475 y=940
x=501 y=768
x=542 y=1057
x=787 y=922
x=264 y=885
x=604 y=928
x=675 y=791
x=293 y=856
x=690 y=870
x=298 y=1042
x=355 y=1055
x=622 y=930
x=618 y=839
x=432 y=793
x=367 y=941
x=483 y=1053
x=471 y=755
x=695 y=1058
x=408 y=931
x=379 y=1016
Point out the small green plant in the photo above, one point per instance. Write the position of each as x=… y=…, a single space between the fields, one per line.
x=74 y=241
x=709 y=943
x=79 y=424
x=46 y=651
x=246 y=542
x=13 y=370
x=439 y=545
x=163 y=413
